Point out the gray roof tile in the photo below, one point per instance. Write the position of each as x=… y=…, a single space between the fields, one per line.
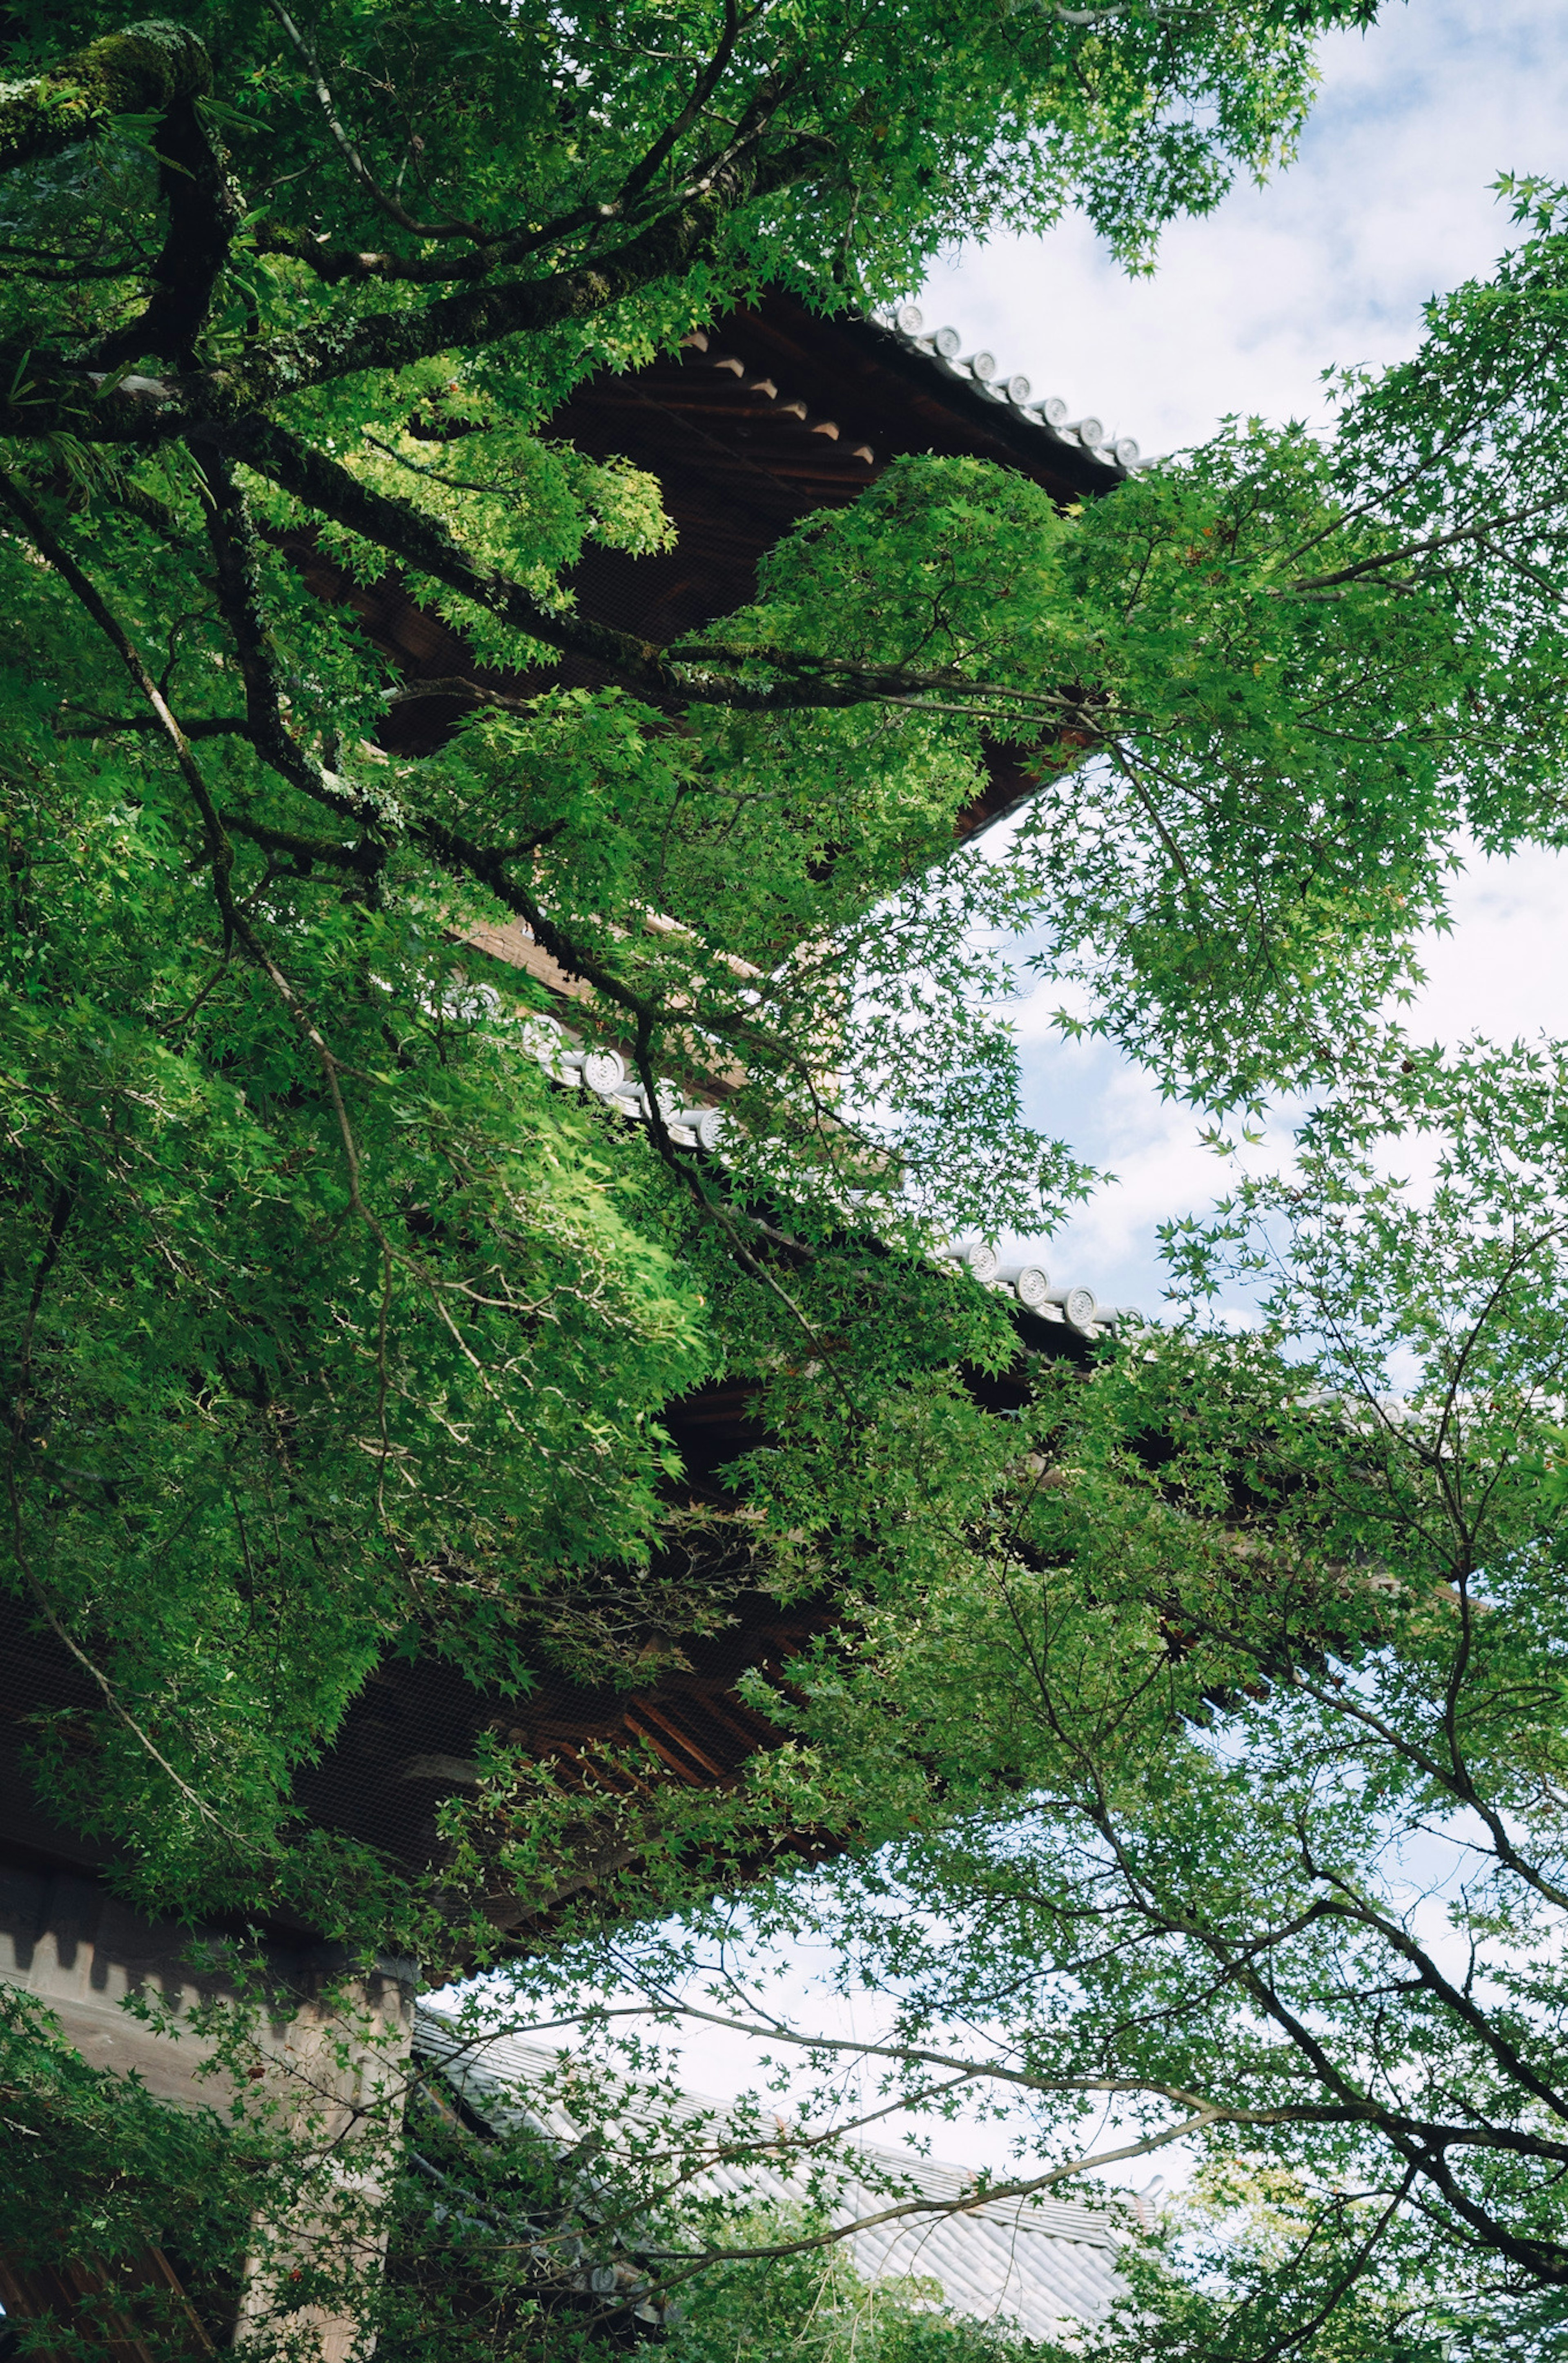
x=1037 y=2265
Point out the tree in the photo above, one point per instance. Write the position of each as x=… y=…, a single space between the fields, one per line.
x=459 y=2223
x=334 y=1326
x=1221 y=1773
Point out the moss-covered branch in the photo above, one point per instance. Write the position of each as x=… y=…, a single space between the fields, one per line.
x=203 y=209
x=146 y=70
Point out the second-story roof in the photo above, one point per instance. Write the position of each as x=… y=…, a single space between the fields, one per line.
x=773 y=413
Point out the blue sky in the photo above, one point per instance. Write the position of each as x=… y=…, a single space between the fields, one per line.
x=1389 y=200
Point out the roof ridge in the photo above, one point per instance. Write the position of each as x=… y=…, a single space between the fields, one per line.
x=582 y=1062
x=943 y=348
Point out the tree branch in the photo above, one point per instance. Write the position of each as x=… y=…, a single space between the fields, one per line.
x=707 y=81
x=205 y=209
x=220 y=853
x=148 y=69
x=1385 y=557
x=365 y=858
x=359 y=170
x=103 y=726
x=48 y=393
x=423 y=542
x=232 y=538
x=501 y=248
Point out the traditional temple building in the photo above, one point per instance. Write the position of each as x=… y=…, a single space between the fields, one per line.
x=769 y=415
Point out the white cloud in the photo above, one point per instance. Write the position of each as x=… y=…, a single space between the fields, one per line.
x=1503 y=970
x=1389 y=201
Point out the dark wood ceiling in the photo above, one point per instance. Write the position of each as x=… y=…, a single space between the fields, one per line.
x=771 y=414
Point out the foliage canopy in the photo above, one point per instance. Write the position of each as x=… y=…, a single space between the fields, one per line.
x=334 y=1325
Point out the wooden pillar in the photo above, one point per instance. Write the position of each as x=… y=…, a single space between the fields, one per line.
x=337 y=2075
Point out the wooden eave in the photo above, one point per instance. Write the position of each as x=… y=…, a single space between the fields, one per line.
x=739 y=465
x=412 y=1736
x=770 y=416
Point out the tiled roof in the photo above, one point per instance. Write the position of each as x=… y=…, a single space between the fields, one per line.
x=594 y=1067
x=944 y=348
x=1036 y=2264
x=768 y=416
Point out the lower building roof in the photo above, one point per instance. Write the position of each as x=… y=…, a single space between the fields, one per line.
x=1037 y=2266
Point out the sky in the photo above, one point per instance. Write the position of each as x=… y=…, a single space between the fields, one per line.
x=1389 y=201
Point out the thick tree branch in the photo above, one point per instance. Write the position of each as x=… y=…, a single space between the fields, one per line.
x=149 y=68
x=339 y=266
x=363 y=858
x=47 y=395
x=458 y=686
x=421 y=541
x=205 y=210
x=688 y=233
